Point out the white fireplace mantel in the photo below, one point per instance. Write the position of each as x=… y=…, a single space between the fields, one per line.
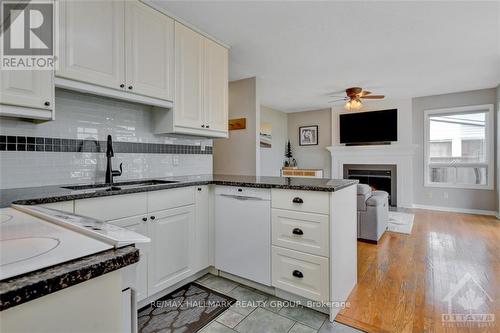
x=400 y=155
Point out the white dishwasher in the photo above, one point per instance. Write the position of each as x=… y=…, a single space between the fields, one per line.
x=243 y=232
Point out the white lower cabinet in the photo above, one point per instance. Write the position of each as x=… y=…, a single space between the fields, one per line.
x=176 y=220
x=173 y=238
x=138 y=224
x=202 y=228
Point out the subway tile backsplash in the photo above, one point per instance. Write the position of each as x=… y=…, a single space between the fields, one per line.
x=71 y=148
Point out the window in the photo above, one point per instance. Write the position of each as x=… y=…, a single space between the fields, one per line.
x=458 y=146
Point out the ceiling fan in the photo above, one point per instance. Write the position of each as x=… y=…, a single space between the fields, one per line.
x=353 y=98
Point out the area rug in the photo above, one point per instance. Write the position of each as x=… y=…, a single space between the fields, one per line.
x=400 y=222
x=187 y=309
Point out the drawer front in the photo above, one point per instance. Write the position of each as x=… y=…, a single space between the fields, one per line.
x=303 y=201
x=171 y=198
x=112 y=207
x=301 y=274
x=300 y=231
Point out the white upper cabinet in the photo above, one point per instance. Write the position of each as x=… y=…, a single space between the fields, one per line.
x=216 y=86
x=28 y=94
x=201 y=87
x=122 y=45
x=149 y=52
x=188 y=78
x=91 y=40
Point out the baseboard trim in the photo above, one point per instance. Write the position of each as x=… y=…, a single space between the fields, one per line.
x=457 y=210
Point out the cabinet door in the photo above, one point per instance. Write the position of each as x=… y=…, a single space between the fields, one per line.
x=172 y=252
x=136 y=223
x=215 y=83
x=92 y=42
x=31 y=88
x=149 y=51
x=202 y=228
x=188 y=108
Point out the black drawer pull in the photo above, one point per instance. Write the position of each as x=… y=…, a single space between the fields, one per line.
x=297 y=231
x=297 y=200
x=152 y=217
x=144 y=219
x=298 y=274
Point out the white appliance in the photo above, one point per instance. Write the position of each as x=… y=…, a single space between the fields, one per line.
x=243 y=232
x=28 y=244
x=58 y=236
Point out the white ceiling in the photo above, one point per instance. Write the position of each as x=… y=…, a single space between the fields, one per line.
x=303 y=50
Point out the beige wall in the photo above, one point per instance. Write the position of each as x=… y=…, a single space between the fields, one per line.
x=315 y=157
x=271 y=159
x=448 y=197
x=240 y=154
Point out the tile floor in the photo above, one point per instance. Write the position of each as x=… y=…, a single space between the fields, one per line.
x=256 y=312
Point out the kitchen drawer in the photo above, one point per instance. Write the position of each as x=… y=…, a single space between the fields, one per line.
x=306 y=232
x=303 y=201
x=301 y=274
x=171 y=198
x=113 y=207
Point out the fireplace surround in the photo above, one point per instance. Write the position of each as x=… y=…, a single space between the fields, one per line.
x=400 y=155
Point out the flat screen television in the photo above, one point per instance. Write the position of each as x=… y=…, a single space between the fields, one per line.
x=369 y=127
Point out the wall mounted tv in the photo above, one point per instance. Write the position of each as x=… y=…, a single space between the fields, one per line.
x=369 y=127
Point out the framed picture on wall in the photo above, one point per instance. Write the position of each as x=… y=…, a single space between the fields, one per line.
x=308 y=135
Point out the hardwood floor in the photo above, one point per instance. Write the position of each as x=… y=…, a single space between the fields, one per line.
x=403 y=280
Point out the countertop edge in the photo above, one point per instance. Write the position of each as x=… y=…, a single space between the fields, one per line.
x=24 y=288
x=98 y=194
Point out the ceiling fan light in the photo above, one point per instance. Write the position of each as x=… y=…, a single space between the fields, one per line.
x=357 y=104
x=348 y=105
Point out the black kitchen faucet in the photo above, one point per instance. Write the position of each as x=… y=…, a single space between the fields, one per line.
x=110 y=173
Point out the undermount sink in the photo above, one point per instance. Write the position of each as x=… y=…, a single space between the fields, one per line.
x=120 y=185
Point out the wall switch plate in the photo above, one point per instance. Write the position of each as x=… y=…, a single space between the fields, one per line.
x=202 y=146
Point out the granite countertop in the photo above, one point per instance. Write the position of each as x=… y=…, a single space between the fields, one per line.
x=56 y=193
x=27 y=287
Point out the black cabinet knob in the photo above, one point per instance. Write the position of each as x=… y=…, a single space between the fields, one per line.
x=130 y=87
x=46 y=103
x=297 y=231
x=199 y=188
x=208 y=126
x=298 y=274
x=297 y=200
x=144 y=219
x=152 y=217
x=122 y=85
x=203 y=126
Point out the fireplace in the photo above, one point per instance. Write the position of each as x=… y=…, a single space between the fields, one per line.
x=378 y=176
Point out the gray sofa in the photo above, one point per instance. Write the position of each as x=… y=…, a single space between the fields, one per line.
x=373 y=213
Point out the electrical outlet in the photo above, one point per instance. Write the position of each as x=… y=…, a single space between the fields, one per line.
x=175 y=160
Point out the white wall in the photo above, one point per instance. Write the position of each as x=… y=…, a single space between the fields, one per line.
x=271 y=159
x=240 y=154
x=313 y=157
x=448 y=197
x=404 y=107
x=80 y=116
